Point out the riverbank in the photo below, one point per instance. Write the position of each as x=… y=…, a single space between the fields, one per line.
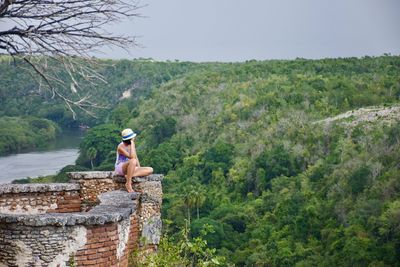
x=20 y=134
x=43 y=161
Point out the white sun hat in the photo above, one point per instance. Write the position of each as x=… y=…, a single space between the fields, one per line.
x=128 y=134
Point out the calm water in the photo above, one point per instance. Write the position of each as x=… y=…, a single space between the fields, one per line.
x=44 y=162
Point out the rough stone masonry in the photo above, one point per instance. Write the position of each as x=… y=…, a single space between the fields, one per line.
x=88 y=222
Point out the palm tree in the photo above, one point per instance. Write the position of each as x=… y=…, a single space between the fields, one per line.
x=199 y=199
x=92 y=153
x=189 y=201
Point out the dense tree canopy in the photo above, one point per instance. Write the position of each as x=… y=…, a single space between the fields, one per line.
x=23 y=133
x=255 y=151
x=281 y=188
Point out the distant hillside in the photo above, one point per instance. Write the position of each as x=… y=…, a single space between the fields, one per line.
x=242 y=152
x=21 y=94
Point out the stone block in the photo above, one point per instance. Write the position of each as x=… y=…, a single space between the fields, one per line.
x=151 y=230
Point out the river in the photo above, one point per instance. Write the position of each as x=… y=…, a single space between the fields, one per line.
x=47 y=161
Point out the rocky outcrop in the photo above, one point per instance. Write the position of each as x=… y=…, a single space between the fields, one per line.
x=370 y=114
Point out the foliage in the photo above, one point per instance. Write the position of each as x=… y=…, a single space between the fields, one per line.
x=280 y=188
x=21 y=94
x=54 y=39
x=182 y=251
x=99 y=146
x=60 y=177
x=245 y=148
x=25 y=133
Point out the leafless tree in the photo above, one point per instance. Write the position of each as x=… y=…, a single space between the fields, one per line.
x=57 y=36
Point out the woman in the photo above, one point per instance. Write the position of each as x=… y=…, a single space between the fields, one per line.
x=127 y=163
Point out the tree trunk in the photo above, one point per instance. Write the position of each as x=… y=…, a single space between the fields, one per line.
x=188 y=209
x=4 y=5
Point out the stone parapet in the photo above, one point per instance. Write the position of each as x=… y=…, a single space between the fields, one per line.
x=150 y=189
x=39 y=198
x=114 y=206
x=100 y=237
x=37 y=188
x=151 y=178
x=33 y=232
x=97 y=175
x=94 y=183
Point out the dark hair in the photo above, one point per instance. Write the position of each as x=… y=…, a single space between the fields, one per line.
x=127 y=142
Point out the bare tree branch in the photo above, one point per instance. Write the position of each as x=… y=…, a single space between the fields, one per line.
x=65 y=32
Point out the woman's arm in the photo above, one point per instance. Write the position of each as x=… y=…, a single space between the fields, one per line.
x=133 y=151
x=122 y=151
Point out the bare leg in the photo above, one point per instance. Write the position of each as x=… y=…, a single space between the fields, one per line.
x=143 y=171
x=129 y=170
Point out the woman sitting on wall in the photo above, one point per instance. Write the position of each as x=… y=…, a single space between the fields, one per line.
x=127 y=163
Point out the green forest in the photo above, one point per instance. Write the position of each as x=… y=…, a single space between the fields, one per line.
x=22 y=95
x=285 y=162
x=25 y=133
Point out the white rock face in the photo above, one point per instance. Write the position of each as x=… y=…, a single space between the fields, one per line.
x=24 y=253
x=151 y=232
x=123 y=233
x=126 y=94
x=370 y=114
x=77 y=241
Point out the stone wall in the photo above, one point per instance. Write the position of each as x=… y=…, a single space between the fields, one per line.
x=94 y=183
x=150 y=209
x=47 y=245
x=39 y=198
x=105 y=235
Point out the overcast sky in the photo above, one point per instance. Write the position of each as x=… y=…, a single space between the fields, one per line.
x=238 y=30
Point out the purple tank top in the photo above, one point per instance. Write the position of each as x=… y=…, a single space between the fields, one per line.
x=122 y=158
